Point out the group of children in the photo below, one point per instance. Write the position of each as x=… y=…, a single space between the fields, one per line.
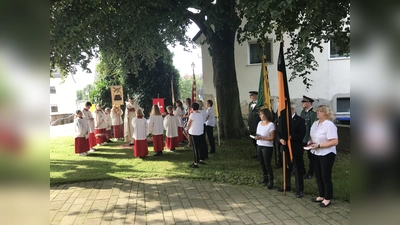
x=92 y=130
x=95 y=129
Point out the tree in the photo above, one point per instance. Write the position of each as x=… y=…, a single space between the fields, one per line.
x=132 y=31
x=79 y=95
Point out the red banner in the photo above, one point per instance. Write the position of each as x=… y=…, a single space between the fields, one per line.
x=160 y=103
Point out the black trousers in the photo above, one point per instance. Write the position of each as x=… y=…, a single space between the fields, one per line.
x=210 y=136
x=296 y=165
x=254 y=141
x=196 y=144
x=323 y=174
x=265 y=156
x=203 y=147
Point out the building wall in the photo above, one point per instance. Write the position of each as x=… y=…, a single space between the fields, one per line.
x=65 y=97
x=331 y=78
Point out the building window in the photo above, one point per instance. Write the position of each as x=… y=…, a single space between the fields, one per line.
x=255 y=52
x=54 y=108
x=343 y=105
x=52 y=90
x=335 y=53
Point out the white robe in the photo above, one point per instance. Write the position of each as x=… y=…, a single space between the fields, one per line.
x=81 y=127
x=108 y=121
x=179 y=113
x=128 y=129
x=87 y=115
x=140 y=128
x=156 y=126
x=116 y=117
x=100 y=120
x=171 y=126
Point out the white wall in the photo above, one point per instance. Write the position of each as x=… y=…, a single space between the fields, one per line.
x=332 y=76
x=65 y=97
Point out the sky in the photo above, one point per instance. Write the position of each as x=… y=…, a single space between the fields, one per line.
x=182 y=61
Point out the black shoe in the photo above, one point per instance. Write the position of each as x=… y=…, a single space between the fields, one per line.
x=157 y=154
x=287 y=189
x=315 y=200
x=202 y=163
x=323 y=205
x=299 y=194
x=109 y=141
x=131 y=144
x=193 y=165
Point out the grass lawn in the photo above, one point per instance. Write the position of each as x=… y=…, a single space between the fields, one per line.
x=231 y=164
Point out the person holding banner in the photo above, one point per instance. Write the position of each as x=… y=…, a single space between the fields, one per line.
x=156 y=128
x=264 y=137
x=140 y=135
x=87 y=115
x=179 y=113
x=171 y=130
x=100 y=125
x=297 y=133
x=130 y=114
x=116 y=121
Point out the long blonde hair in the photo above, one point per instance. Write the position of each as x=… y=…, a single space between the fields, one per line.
x=328 y=112
x=155 y=110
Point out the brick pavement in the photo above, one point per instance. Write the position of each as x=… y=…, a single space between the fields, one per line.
x=181 y=201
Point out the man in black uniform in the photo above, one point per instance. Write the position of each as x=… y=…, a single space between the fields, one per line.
x=253 y=118
x=310 y=116
x=297 y=133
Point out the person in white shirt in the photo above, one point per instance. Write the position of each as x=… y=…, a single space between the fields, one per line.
x=87 y=115
x=100 y=125
x=325 y=138
x=179 y=113
x=130 y=113
x=210 y=123
x=171 y=130
x=204 y=147
x=81 y=134
x=156 y=128
x=265 y=135
x=139 y=124
x=116 y=121
x=195 y=127
x=109 y=123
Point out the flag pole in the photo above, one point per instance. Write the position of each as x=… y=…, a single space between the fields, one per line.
x=216 y=109
x=284 y=171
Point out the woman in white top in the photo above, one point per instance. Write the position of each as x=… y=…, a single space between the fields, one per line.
x=195 y=128
x=265 y=136
x=179 y=113
x=117 y=122
x=325 y=138
x=156 y=128
x=139 y=124
x=204 y=147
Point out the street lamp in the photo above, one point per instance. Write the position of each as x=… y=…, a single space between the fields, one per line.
x=193 y=67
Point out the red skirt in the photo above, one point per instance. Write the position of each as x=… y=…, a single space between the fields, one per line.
x=100 y=135
x=181 y=138
x=158 y=143
x=81 y=145
x=92 y=140
x=171 y=143
x=118 y=131
x=140 y=148
x=108 y=134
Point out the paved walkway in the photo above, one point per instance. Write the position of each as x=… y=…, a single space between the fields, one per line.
x=180 y=201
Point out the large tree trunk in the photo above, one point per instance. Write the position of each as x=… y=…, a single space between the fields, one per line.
x=225 y=82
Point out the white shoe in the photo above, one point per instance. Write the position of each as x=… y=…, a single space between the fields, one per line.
x=91 y=150
x=98 y=144
x=83 y=154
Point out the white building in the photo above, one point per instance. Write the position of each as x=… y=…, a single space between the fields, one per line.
x=62 y=95
x=331 y=81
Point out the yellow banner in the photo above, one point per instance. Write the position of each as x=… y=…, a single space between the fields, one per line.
x=117 y=95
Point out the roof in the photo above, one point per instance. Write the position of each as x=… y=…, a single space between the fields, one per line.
x=194 y=39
